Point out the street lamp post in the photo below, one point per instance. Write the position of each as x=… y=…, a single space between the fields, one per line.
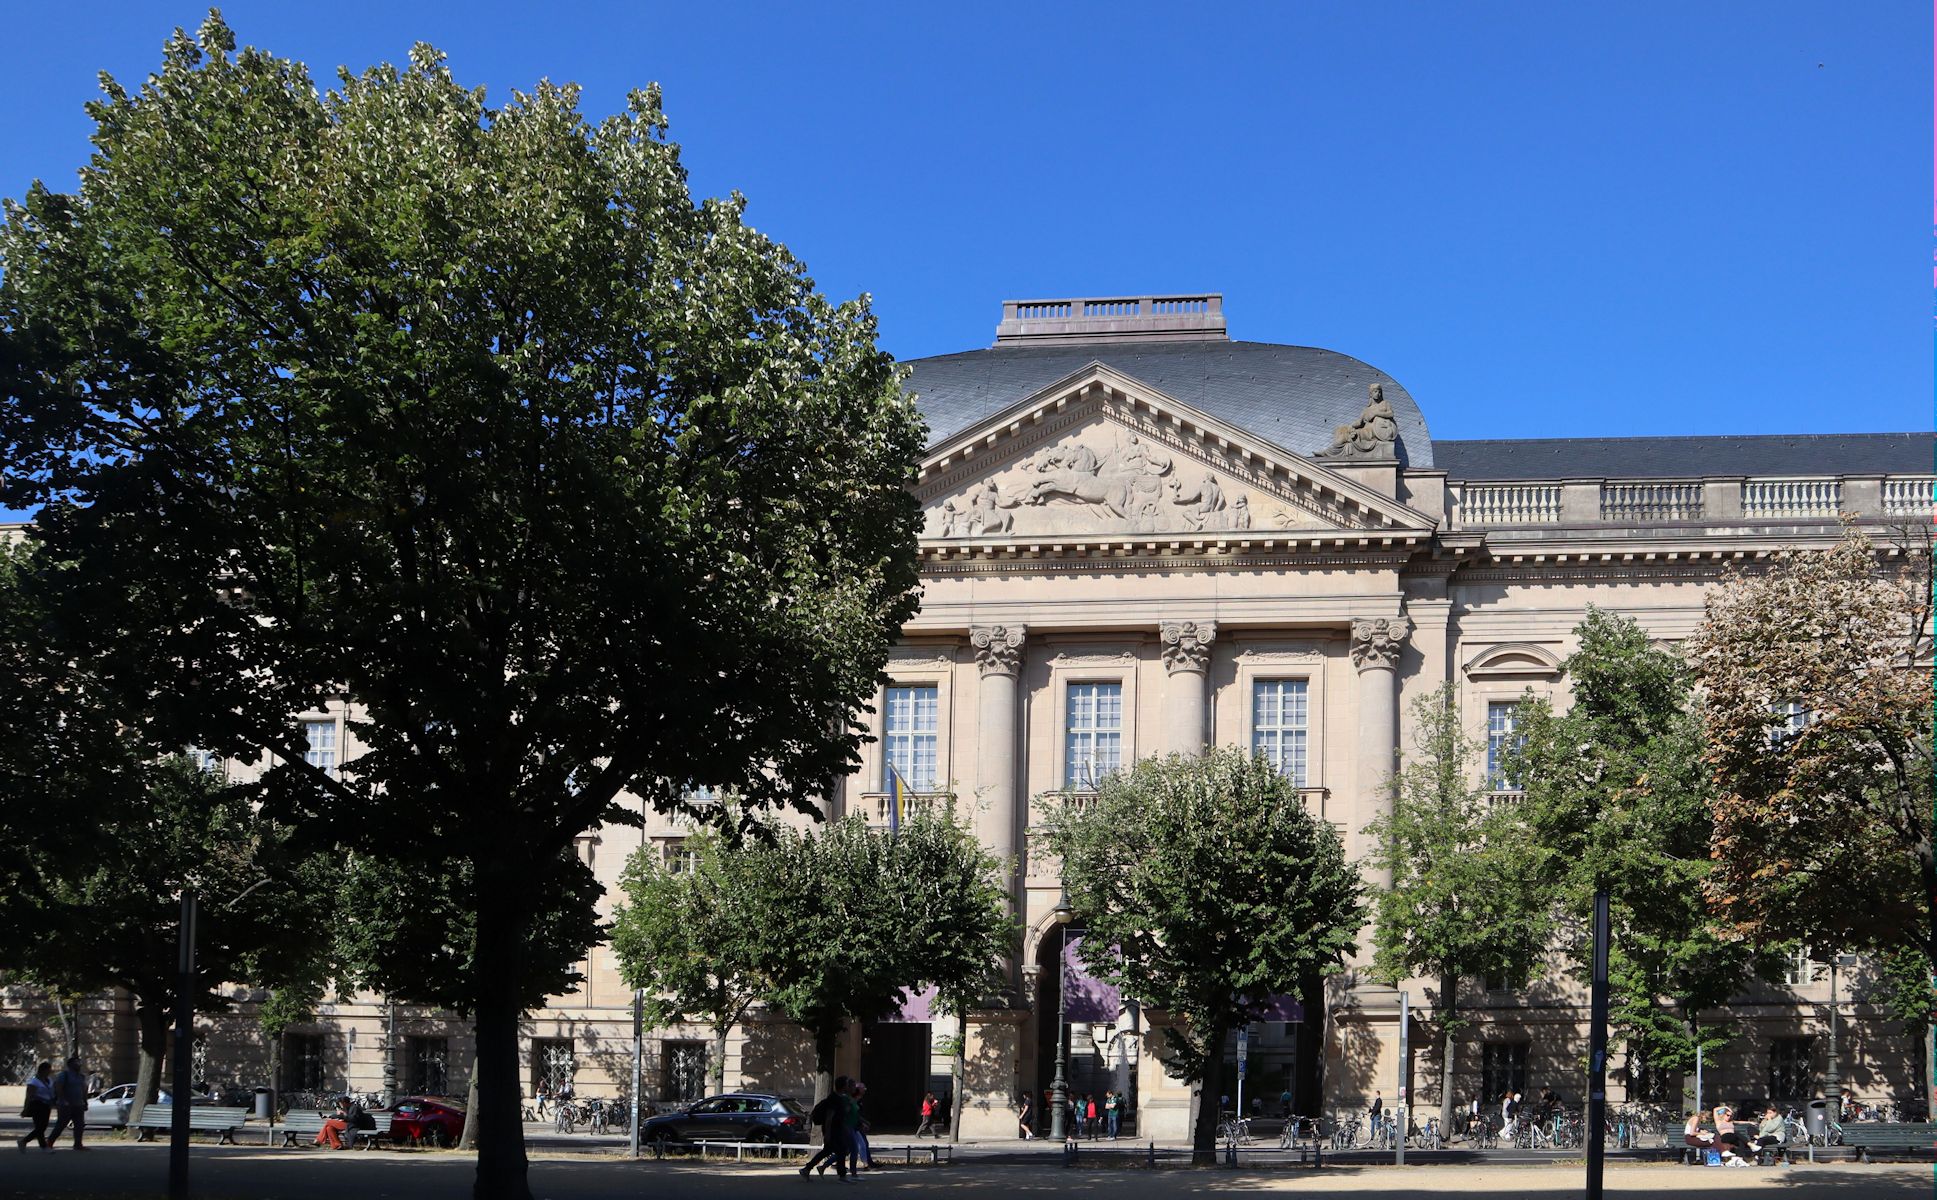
x=1059 y=1086
x=1835 y=1081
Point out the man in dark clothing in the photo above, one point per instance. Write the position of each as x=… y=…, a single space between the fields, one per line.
x=836 y=1146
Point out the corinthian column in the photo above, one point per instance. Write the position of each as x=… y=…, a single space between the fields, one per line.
x=1376 y=644
x=998 y=652
x=1187 y=659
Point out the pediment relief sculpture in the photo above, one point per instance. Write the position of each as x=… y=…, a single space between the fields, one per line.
x=1102 y=478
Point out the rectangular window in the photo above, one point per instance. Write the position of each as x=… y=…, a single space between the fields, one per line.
x=1095 y=730
x=682 y=1072
x=674 y=855
x=319 y=738
x=551 y=1064
x=17 y=1059
x=1278 y=725
x=429 y=1060
x=1800 y=970
x=1500 y=981
x=1790 y=718
x=908 y=736
x=302 y=1062
x=1501 y=742
x=206 y=761
x=1789 y=1074
x=1503 y=1069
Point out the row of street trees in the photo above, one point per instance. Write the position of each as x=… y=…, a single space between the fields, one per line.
x=1768 y=786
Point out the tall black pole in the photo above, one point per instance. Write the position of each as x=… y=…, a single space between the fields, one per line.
x=1059 y=1086
x=1597 y=1053
x=184 y=1095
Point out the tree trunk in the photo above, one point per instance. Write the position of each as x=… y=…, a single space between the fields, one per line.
x=717 y=1068
x=826 y=1039
x=1203 y=1138
x=152 y=1021
x=1448 y=1011
x=468 y=1140
x=274 y=1082
x=956 y=1076
x=503 y=1169
x=1308 y=1090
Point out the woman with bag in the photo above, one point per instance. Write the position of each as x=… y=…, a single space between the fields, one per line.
x=39 y=1106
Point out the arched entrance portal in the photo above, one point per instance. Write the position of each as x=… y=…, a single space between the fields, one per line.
x=1098 y=1030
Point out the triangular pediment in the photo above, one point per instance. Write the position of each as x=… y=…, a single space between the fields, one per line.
x=1100 y=455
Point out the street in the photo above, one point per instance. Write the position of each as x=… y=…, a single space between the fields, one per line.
x=124 y=1171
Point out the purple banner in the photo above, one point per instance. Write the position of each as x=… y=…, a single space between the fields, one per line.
x=1282 y=1008
x=918 y=1008
x=1087 y=998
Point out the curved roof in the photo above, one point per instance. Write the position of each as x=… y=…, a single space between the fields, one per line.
x=1292 y=396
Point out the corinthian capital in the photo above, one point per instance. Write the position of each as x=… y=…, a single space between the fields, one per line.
x=1187 y=645
x=1377 y=641
x=998 y=648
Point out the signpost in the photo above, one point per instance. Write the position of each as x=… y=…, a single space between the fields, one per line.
x=1244 y=1054
x=1399 y=1114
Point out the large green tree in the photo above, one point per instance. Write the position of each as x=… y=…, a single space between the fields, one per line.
x=1207 y=889
x=1467 y=895
x=470 y=413
x=1618 y=797
x=829 y=927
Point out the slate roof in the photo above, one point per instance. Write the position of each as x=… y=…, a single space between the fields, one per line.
x=1688 y=457
x=1292 y=396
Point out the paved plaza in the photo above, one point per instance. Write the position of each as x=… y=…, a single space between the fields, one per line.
x=124 y=1171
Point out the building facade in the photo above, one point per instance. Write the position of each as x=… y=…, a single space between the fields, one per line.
x=1143 y=537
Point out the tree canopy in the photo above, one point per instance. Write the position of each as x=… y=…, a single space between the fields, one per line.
x=1467 y=896
x=471 y=414
x=1619 y=798
x=1207 y=890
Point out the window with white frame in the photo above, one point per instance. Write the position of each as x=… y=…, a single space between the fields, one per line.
x=1790 y=718
x=206 y=761
x=908 y=736
x=1800 y=969
x=1278 y=725
x=1095 y=734
x=319 y=738
x=1502 y=740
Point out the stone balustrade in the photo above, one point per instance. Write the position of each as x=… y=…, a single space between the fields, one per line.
x=1656 y=501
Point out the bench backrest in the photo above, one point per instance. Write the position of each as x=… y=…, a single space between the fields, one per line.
x=162 y=1116
x=303 y=1122
x=1902 y=1133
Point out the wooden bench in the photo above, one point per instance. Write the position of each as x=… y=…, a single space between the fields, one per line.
x=1865 y=1136
x=308 y=1125
x=201 y=1119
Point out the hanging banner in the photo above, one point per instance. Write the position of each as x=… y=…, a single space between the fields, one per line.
x=1087 y=998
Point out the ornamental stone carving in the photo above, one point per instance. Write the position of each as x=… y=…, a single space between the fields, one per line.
x=1187 y=645
x=1377 y=641
x=998 y=648
x=1371 y=438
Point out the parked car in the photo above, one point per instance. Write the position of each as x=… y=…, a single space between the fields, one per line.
x=111 y=1106
x=434 y=1120
x=735 y=1117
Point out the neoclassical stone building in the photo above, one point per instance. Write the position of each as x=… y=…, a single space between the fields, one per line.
x=1142 y=537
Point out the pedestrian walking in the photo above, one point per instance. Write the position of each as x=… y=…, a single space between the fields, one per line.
x=857 y=1128
x=927 y=1125
x=831 y=1115
x=39 y=1106
x=1026 y=1117
x=1284 y=1104
x=70 y=1102
x=1089 y=1117
x=1112 y=1111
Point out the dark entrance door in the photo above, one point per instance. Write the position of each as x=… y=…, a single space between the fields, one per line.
x=894 y=1065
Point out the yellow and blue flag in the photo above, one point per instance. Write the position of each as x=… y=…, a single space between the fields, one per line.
x=898 y=791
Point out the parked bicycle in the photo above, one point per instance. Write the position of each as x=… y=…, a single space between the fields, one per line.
x=1345 y=1135
x=1426 y=1138
x=1234 y=1129
x=1298 y=1129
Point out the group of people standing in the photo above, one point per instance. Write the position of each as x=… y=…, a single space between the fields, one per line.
x=62 y=1097
x=1087 y=1117
x=844 y=1132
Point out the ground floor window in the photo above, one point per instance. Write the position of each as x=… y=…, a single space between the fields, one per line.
x=302 y=1062
x=1503 y=1069
x=552 y=1064
x=682 y=1071
x=1789 y=1074
x=17 y=1059
x=429 y=1060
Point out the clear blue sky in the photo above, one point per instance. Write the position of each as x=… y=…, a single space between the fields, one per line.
x=1544 y=219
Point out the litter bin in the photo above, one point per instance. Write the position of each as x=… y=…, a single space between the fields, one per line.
x=1815 y=1119
x=265 y=1104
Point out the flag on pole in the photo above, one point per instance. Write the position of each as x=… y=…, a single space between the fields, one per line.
x=897 y=799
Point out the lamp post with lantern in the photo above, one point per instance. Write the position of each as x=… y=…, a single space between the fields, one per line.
x=1059 y=1086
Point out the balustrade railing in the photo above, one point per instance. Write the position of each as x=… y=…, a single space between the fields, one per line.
x=1654 y=500
x=1791 y=497
x=1910 y=495
x=1510 y=504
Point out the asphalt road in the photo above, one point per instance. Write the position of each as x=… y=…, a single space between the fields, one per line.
x=123 y=1171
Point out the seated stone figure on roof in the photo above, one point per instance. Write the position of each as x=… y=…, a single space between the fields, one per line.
x=1371 y=437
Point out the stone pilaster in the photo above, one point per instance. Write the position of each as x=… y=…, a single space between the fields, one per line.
x=998 y=652
x=1187 y=659
x=1376 y=645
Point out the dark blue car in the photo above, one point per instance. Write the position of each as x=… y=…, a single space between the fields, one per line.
x=733 y=1117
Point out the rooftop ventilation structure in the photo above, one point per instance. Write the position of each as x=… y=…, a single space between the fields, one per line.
x=1193 y=317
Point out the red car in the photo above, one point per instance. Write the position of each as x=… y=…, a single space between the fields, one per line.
x=432 y=1120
